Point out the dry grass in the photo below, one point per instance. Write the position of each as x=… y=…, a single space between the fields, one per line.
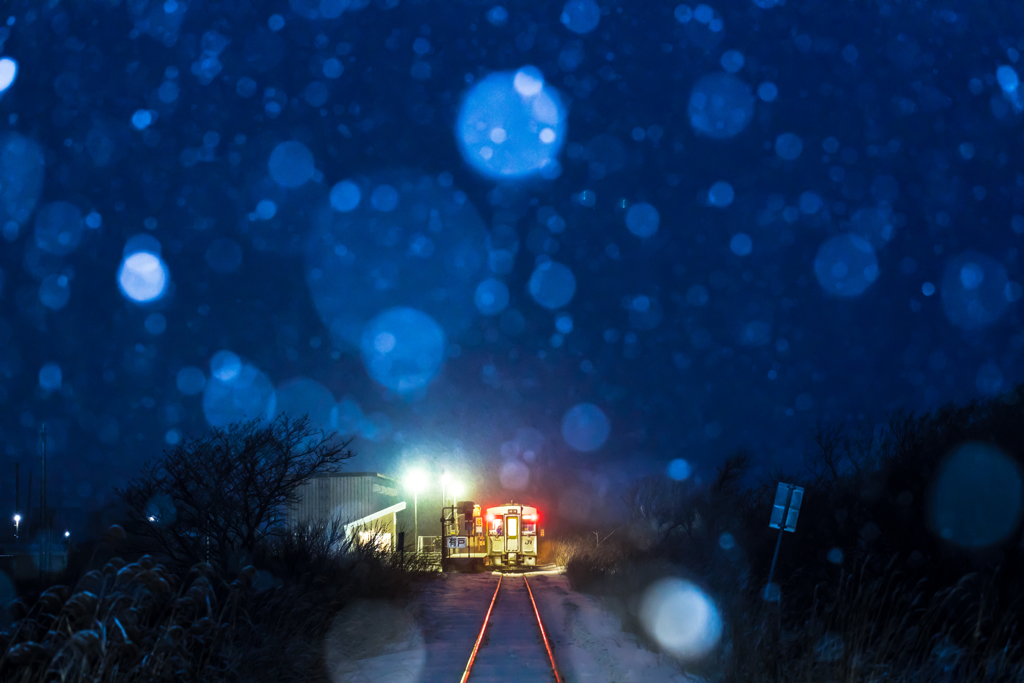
x=143 y=622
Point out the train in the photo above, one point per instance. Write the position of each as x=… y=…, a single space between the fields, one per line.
x=504 y=536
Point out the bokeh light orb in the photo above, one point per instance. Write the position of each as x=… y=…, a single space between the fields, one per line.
x=58 y=228
x=190 y=380
x=291 y=164
x=143 y=277
x=741 y=244
x=304 y=397
x=21 y=177
x=976 y=500
x=403 y=349
x=345 y=196
x=974 y=290
x=552 y=285
x=491 y=297
x=8 y=72
x=580 y=16
x=721 y=106
x=846 y=265
x=788 y=146
x=248 y=395
x=420 y=244
x=225 y=365
x=681 y=618
x=679 y=469
x=585 y=427
x=721 y=194
x=514 y=475
x=643 y=220
x=50 y=377
x=511 y=125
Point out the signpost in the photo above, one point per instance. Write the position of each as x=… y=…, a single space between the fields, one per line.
x=785 y=511
x=458 y=542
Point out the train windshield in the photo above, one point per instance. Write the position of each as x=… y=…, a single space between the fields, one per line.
x=529 y=529
x=497 y=527
x=513 y=526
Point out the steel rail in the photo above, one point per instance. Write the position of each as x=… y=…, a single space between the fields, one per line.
x=487 y=619
x=543 y=635
x=479 y=638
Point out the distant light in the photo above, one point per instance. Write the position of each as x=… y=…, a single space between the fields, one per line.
x=143 y=277
x=415 y=480
x=17 y=518
x=8 y=72
x=152 y=518
x=93 y=220
x=275 y=22
x=927 y=289
x=67 y=534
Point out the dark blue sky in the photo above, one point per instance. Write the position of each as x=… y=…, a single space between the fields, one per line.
x=865 y=260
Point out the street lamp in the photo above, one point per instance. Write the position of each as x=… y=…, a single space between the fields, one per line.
x=17 y=522
x=415 y=480
x=457 y=490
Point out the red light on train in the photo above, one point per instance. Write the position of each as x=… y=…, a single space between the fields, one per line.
x=490 y=516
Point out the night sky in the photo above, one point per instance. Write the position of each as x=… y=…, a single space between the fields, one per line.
x=546 y=247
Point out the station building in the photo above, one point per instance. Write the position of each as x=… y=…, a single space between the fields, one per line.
x=367 y=503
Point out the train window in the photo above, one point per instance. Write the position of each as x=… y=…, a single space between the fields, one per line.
x=513 y=526
x=529 y=529
x=497 y=527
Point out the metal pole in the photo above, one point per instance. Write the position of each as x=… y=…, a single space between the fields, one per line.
x=17 y=487
x=416 y=517
x=774 y=558
x=778 y=543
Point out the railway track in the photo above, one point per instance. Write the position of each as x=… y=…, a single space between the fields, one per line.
x=512 y=644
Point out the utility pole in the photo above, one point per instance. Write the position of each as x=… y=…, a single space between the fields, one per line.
x=17 y=487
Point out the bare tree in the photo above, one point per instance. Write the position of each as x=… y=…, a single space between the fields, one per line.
x=227 y=490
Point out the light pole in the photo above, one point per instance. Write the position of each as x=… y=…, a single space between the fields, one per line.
x=17 y=523
x=414 y=480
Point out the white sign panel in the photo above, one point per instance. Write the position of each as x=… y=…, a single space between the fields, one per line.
x=787 y=506
x=456 y=542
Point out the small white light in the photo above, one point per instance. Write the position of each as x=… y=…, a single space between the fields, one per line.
x=8 y=72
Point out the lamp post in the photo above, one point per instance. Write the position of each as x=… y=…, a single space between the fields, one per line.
x=17 y=523
x=414 y=480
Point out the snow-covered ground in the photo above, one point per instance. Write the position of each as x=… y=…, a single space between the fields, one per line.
x=430 y=640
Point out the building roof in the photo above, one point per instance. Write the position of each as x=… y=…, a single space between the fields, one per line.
x=352 y=474
x=397 y=507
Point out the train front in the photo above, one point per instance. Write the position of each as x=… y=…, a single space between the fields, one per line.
x=512 y=536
